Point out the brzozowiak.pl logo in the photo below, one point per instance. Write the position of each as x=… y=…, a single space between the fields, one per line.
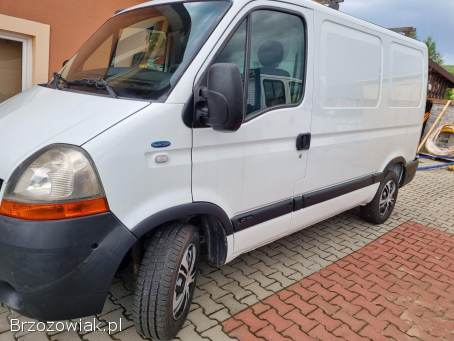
x=79 y=326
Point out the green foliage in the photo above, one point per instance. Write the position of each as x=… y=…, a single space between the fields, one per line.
x=450 y=68
x=433 y=52
x=450 y=94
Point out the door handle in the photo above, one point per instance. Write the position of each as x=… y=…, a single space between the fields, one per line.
x=303 y=141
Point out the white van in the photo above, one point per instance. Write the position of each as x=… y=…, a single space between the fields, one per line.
x=189 y=129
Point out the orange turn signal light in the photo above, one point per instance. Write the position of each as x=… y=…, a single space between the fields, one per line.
x=53 y=211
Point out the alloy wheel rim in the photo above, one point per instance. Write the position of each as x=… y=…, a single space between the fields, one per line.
x=387 y=198
x=185 y=281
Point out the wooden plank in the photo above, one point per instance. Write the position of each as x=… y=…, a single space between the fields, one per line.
x=439 y=101
x=440 y=116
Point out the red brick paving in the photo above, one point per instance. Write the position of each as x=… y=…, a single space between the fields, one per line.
x=399 y=287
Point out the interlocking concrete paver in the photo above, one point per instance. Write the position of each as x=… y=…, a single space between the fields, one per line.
x=216 y=333
x=214 y=290
x=4 y=322
x=238 y=291
x=232 y=305
x=208 y=305
x=189 y=333
x=129 y=334
x=201 y=321
x=109 y=306
x=97 y=336
x=116 y=316
x=36 y=336
x=66 y=336
x=425 y=312
x=222 y=314
x=7 y=337
x=428 y=200
x=250 y=300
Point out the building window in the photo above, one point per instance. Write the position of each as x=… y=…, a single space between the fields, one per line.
x=15 y=65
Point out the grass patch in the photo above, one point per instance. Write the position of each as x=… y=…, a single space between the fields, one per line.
x=450 y=68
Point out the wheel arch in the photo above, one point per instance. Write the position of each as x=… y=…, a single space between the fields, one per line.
x=397 y=165
x=212 y=220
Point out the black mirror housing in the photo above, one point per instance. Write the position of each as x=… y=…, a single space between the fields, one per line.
x=224 y=98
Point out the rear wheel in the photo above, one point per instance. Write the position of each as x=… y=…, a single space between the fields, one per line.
x=166 y=281
x=381 y=207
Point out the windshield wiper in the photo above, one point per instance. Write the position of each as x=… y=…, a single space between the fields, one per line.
x=103 y=83
x=57 y=79
x=97 y=83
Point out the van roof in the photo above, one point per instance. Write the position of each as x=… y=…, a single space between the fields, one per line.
x=304 y=3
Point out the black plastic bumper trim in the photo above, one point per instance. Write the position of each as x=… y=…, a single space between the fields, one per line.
x=410 y=172
x=57 y=270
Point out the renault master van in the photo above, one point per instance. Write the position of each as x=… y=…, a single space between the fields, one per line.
x=189 y=130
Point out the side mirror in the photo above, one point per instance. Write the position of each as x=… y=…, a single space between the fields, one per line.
x=220 y=104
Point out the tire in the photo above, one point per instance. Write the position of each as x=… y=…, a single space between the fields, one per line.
x=382 y=206
x=161 y=267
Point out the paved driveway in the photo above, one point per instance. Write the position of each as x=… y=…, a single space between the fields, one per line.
x=342 y=278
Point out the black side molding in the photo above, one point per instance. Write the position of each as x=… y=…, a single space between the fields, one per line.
x=260 y=215
x=263 y=214
x=329 y=193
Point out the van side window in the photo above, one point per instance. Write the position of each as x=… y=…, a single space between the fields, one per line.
x=277 y=65
x=235 y=50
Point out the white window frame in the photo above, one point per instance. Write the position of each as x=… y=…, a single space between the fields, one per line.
x=27 y=57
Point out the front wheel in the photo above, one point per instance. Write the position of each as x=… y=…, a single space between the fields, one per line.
x=166 y=281
x=381 y=207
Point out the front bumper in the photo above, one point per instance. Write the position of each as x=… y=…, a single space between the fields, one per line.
x=410 y=172
x=57 y=270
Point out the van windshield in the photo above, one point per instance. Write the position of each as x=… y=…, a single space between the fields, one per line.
x=142 y=53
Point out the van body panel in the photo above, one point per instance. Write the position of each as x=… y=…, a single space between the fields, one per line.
x=258 y=165
x=355 y=129
x=136 y=182
x=347 y=109
x=42 y=116
x=362 y=107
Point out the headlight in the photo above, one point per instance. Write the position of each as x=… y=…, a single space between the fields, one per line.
x=56 y=183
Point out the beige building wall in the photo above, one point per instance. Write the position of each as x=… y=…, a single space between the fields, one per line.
x=39 y=36
x=58 y=27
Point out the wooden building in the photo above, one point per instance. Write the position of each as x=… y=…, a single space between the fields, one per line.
x=331 y=3
x=440 y=80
